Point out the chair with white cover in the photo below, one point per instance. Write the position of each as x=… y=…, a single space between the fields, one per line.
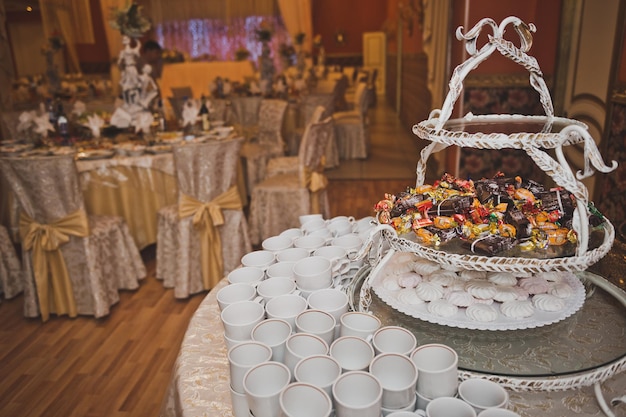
x=73 y=263
x=351 y=127
x=11 y=277
x=204 y=236
x=266 y=143
x=279 y=200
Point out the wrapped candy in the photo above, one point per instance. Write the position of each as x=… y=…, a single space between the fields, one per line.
x=490 y=244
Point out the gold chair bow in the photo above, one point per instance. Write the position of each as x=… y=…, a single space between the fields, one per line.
x=315 y=181
x=207 y=216
x=44 y=241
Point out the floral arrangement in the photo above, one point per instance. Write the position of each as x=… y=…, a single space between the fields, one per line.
x=130 y=21
x=317 y=40
x=299 y=38
x=241 y=54
x=264 y=32
x=55 y=43
x=286 y=51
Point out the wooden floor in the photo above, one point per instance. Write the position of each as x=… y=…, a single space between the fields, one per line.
x=121 y=365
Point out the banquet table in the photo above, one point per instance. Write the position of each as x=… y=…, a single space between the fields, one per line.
x=200 y=380
x=132 y=187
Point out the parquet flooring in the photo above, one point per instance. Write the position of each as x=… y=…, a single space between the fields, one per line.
x=121 y=365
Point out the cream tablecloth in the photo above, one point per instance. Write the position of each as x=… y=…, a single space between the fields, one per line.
x=200 y=380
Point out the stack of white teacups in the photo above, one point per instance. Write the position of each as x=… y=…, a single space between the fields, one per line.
x=295 y=349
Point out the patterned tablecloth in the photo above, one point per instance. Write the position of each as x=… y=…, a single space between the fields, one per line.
x=200 y=378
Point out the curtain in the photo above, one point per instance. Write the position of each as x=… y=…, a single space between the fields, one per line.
x=436 y=36
x=162 y=11
x=71 y=19
x=298 y=19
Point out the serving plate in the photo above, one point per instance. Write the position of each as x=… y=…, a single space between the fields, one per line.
x=538 y=319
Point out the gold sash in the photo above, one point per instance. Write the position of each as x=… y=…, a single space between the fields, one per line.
x=207 y=216
x=50 y=271
x=315 y=181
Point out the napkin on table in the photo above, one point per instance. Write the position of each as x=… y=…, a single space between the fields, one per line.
x=94 y=123
x=190 y=112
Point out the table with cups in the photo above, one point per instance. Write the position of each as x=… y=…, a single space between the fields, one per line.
x=277 y=337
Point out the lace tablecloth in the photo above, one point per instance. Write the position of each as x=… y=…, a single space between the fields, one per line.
x=200 y=380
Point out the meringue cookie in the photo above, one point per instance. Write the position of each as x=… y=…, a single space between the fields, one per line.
x=517 y=309
x=481 y=288
x=548 y=302
x=443 y=278
x=481 y=312
x=534 y=285
x=551 y=276
x=409 y=280
x=561 y=290
x=468 y=274
x=428 y=291
x=460 y=298
x=391 y=283
x=409 y=296
x=424 y=266
x=506 y=294
x=505 y=279
x=442 y=308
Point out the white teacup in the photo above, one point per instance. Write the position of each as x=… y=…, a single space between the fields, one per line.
x=341 y=225
x=394 y=339
x=313 y=225
x=243 y=357
x=292 y=233
x=246 y=274
x=280 y=269
x=323 y=232
x=319 y=370
x=240 y=318
x=482 y=394
x=356 y=323
x=241 y=291
x=263 y=384
x=364 y=224
x=351 y=242
x=292 y=255
x=398 y=376
x=396 y=411
x=308 y=217
x=449 y=406
x=277 y=243
x=303 y=345
x=258 y=258
x=497 y=412
x=275 y=286
x=310 y=243
x=317 y=322
x=305 y=293
x=273 y=333
x=337 y=256
x=401 y=413
x=357 y=393
x=352 y=353
x=330 y=300
x=437 y=365
x=286 y=307
x=313 y=273
x=240 y=404
x=300 y=399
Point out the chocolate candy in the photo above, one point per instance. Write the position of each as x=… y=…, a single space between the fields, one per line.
x=490 y=244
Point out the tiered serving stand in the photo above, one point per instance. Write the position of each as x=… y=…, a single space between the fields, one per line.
x=581 y=350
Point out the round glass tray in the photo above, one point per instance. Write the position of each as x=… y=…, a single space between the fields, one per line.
x=587 y=347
